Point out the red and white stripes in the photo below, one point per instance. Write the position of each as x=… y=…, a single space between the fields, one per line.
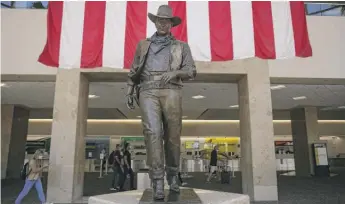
x=105 y=34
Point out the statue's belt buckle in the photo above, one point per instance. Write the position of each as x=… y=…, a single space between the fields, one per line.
x=156 y=77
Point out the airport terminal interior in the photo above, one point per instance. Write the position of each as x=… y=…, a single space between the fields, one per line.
x=307 y=118
x=213 y=122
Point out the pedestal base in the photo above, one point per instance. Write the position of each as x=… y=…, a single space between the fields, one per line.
x=186 y=196
x=206 y=197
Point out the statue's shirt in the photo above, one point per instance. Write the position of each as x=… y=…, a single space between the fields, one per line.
x=158 y=56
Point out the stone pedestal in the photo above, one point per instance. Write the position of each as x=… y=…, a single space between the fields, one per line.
x=143 y=181
x=14 y=129
x=186 y=196
x=206 y=197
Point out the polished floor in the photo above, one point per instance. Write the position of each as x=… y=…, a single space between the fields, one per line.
x=292 y=190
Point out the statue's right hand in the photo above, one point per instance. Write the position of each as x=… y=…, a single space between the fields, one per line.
x=130 y=102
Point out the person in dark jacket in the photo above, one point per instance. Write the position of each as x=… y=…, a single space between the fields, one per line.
x=127 y=165
x=117 y=169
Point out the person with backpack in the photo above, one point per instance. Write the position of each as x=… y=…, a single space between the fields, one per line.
x=32 y=176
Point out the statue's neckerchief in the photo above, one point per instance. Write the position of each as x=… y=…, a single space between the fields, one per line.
x=160 y=42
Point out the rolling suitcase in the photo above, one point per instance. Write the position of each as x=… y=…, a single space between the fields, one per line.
x=225 y=177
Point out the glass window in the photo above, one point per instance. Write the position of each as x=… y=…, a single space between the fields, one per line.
x=25 y=4
x=322 y=9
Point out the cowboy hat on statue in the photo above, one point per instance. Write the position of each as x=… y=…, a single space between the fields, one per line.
x=165 y=12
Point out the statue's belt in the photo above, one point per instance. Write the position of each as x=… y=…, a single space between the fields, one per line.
x=158 y=85
x=152 y=78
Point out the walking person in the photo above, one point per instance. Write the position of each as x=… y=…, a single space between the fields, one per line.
x=117 y=169
x=213 y=164
x=34 y=178
x=127 y=164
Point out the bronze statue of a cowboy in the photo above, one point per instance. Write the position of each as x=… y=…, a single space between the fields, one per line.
x=161 y=63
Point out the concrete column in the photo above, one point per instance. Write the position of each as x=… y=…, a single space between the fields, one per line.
x=258 y=163
x=67 y=151
x=14 y=129
x=304 y=132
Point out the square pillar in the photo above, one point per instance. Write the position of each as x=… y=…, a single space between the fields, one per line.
x=67 y=151
x=258 y=162
x=304 y=124
x=14 y=131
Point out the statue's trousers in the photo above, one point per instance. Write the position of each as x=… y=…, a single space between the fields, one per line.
x=162 y=112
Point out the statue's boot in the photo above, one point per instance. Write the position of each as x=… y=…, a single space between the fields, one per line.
x=158 y=189
x=173 y=183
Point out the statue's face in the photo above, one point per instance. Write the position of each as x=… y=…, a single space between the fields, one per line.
x=163 y=26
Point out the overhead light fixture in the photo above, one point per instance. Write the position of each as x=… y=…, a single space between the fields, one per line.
x=234 y=106
x=198 y=97
x=341 y=107
x=138 y=116
x=184 y=116
x=327 y=108
x=93 y=96
x=299 y=98
x=278 y=87
x=4 y=85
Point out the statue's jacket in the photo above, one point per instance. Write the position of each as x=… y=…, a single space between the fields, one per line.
x=181 y=60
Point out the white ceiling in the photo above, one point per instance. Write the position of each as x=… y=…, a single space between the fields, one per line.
x=217 y=96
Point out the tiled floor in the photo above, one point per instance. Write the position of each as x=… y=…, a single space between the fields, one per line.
x=291 y=190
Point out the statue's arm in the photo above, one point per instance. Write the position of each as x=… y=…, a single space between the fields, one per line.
x=133 y=70
x=188 y=70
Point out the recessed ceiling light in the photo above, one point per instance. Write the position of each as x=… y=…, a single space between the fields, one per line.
x=327 y=108
x=278 y=87
x=299 y=98
x=93 y=96
x=138 y=116
x=198 y=97
x=234 y=106
x=4 y=85
x=184 y=116
x=341 y=107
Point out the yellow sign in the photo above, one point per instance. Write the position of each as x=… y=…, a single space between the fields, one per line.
x=225 y=144
x=189 y=144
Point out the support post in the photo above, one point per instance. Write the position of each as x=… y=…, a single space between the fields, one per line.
x=258 y=167
x=67 y=152
x=305 y=132
x=14 y=130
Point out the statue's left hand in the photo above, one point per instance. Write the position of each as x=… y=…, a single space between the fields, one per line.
x=130 y=102
x=166 y=77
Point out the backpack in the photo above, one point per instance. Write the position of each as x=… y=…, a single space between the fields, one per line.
x=111 y=158
x=24 y=172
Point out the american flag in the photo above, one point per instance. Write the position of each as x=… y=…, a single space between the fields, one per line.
x=94 y=34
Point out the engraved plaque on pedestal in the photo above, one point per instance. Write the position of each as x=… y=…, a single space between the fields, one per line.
x=186 y=196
